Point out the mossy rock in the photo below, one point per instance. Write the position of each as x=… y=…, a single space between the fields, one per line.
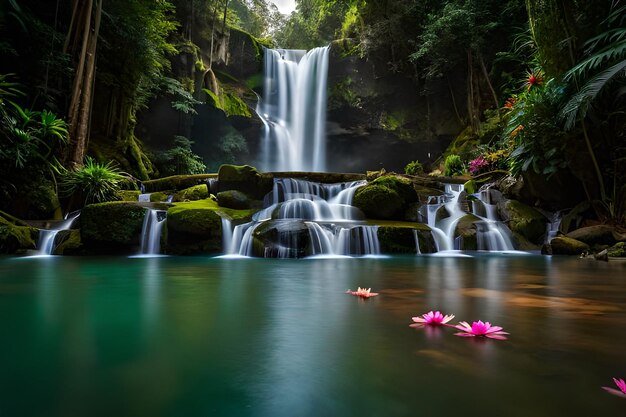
x=197 y=192
x=618 y=250
x=600 y=234
x=36 y=200
x=16 y=239
x=269 y=238
x=112 y=228
x=400 y=185
x=68 y=242
x=563 y=245
x=245 y=179
x=321 y=177
x=379 y=202
x=233 y=199
x=401 y=239
x=523 y=219
x=176 y=182
x=466 y=229
x=128 y=195
x=196 y=227
x=159 y=197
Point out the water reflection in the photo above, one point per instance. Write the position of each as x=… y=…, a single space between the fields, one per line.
x=198 y=336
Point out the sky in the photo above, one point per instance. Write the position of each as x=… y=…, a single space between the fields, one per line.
x=285 y=6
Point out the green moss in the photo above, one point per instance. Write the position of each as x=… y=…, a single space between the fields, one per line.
x=197 y=192
x=68 y=242
x=128 y=195
x=112 y=228
x=209 y=204
x=401 y=239
x=525 y=220
x=562 y=245
x=378 y=202
x=16 y=239
x=176 y=182
x=158 y=197
x=233 y=199
x=618 y=250
x=402 y=186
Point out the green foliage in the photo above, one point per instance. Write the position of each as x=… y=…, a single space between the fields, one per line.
x=179 y=160
x=182 y=100
x=533 y=130
x=413 y=168
x=94 y=181
x=27 y=137
x=604 y=64
x=453 y=166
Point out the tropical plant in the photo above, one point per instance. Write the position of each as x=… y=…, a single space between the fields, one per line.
x=532 y=130
x=94 y=181
x=179 y=160
x=413 y=168
x=453 y=165
x=603 y=65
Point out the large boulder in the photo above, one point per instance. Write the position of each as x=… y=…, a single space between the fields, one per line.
x=233 y=199
x=16 y=237
x=112 y=228
x=36 y=199
x=197 y=192
x=600 y=234
x=282 y=239
x=245 y=179
x=378 y=201
x=466 y=229
x=563 y=245
x=193 y=228
x=400 y=238
x=176 y=182
x=523 y=219
x=400 y=185
x=68 y=243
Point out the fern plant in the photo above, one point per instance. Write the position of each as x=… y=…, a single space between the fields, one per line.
x=94 y=181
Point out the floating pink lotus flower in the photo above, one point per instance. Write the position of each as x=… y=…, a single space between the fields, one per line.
x=480 y=329
x=621 y=385
x=363 y=292
x=432 y=319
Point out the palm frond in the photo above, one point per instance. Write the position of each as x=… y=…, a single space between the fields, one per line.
x=577 y=105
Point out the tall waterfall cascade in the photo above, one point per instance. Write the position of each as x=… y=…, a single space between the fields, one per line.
x=443 y=213
x=45 y=245
x=303 y=218
x=293 y=110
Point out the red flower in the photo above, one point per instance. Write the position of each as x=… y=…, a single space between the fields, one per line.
x=510 y=102
x=533 y=79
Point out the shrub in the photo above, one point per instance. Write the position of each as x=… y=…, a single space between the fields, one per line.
x=453 y=166
x=180 y=160
x=94 y=181
x=413 y=168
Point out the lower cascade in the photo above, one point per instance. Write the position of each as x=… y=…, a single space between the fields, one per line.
x=303 y=218
x=444 y=212
x=45 y=245
x=151 y=231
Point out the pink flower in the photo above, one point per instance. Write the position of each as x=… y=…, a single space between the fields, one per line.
x=480 y=329
x=476 y=165
x=432 y=318
x=362 y=292
x=621 y=385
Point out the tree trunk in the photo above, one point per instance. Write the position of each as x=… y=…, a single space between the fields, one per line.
x=212 y=35
x=456 y=109
x=493 y=91
x=80 y=106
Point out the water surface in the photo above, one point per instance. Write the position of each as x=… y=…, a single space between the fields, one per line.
x=259 y=337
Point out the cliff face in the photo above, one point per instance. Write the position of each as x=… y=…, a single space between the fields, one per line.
x=379 y=119
x=376 y=118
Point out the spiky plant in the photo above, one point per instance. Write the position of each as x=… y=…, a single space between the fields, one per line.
x=94 y=181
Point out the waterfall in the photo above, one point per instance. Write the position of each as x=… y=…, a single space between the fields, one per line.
x=45 y=245
x=293 y=110
x=553 y=226
x=308 y=218
x=227 y=231
x=151 y=231
x=491 y=233
x=144 y=198
x=418 y=251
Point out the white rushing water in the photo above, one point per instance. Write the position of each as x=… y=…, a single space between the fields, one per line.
x=151 y=231
x=293 y=110
x=491 y=233
x=45 y=245
x=310 y=215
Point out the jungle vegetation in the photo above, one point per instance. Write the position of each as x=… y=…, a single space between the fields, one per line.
x=541 y=92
